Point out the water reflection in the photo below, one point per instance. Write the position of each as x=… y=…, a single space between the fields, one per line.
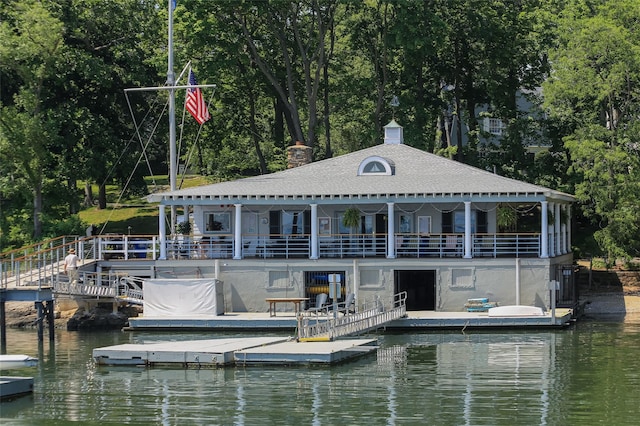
x=474 y=374
x=478 y=378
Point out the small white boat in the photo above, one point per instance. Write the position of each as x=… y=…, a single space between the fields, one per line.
x=16 y=361
x=516 y=311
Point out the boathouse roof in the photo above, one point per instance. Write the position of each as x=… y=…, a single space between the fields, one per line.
x=383 y=173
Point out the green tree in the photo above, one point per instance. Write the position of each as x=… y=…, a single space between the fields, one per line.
x=64 y=117
x=287 y=42
x=32 y=43
x=109 y=45
x=593 y=90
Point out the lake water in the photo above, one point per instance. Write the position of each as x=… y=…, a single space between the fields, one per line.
x=583 y=375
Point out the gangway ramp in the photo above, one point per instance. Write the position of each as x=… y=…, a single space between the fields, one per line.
x=327 y=325
x=80 y=289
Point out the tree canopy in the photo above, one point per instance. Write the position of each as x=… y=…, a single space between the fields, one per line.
x=323 y=72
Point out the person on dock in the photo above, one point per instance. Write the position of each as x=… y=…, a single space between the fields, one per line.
x=71 y=266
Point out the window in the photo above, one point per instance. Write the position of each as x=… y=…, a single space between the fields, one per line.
x=458 y=222
x=495 y=126
x=217 y=222
x=376 y=166
x=292 y=223
x=424 y=224
x=279 y=279
x=324 y=225
x=453 y=222
x=462 y=278
x=405 y=225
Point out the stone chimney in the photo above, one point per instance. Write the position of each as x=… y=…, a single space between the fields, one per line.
x=298 y=155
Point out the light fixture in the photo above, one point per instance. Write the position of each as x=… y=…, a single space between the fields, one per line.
x=264 y=220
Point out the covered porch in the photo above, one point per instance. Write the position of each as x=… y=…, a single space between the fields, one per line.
x=389 y=230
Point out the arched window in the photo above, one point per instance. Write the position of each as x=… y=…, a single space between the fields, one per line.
x=376 y=166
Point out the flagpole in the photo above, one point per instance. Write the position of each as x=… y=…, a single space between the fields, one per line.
x=172 y=115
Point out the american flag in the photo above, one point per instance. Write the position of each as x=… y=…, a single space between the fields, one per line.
x=195 y=103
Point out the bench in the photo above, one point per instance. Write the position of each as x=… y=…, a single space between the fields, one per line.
x=273 y=301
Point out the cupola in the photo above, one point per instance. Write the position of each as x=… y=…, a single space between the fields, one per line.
x=393 y=133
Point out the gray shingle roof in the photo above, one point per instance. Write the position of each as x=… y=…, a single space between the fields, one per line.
x=416 y=173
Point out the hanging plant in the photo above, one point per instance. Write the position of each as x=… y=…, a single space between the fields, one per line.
x=183 y=228
x=506 y=217
x=351 y=218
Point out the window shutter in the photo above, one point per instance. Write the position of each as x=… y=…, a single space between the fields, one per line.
x=482 y=222
x=307 y=222
x=447 y=223
x=274 y=223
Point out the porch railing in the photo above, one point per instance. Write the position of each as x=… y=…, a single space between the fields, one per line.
x=38 y=263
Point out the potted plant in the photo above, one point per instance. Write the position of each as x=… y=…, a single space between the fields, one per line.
x=184 y=228
x=351 y=219
x=506 y=218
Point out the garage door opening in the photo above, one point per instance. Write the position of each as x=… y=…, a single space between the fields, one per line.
x=420 y=287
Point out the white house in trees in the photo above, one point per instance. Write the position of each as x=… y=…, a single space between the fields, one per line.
x=443 y=231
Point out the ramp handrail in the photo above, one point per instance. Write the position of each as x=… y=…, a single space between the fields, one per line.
x=328 y=325
x=130 y=290
x=109 y=285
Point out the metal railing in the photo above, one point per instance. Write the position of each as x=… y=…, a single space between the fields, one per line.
x=329 y=325
x=130 y=290
x=39 y=264
x=102 y=285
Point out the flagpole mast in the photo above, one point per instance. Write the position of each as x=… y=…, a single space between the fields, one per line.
x=172 y=115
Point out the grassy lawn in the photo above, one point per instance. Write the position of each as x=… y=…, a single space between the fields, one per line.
x=136 y=213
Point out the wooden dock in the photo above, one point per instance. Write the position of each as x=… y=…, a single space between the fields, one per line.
x=233 y=351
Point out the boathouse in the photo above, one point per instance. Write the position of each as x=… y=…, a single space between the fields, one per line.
x=383 y=220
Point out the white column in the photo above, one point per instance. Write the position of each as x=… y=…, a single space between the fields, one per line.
x=237 y=232
x=563 y=231
x=558 y=230
x=163 y=232
x=391 y=235
x=544 y=230
x=467 y=230
x=356 y=279
x=568 y=228
x=552 y=232
x=517 y=280
x=314 y=232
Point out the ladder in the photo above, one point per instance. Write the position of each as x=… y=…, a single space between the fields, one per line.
x=327 y=325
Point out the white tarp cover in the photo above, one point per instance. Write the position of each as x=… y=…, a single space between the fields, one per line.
x=181 y=297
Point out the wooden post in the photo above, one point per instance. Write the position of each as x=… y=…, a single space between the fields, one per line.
x=39 y=321
x=51 y=320
x=3 y=326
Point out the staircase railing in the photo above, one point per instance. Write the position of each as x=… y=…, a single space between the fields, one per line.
x=328 y=325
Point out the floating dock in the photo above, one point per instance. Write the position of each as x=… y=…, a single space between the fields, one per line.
x=13 y=387
x=233 y=351
x=415 y=320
